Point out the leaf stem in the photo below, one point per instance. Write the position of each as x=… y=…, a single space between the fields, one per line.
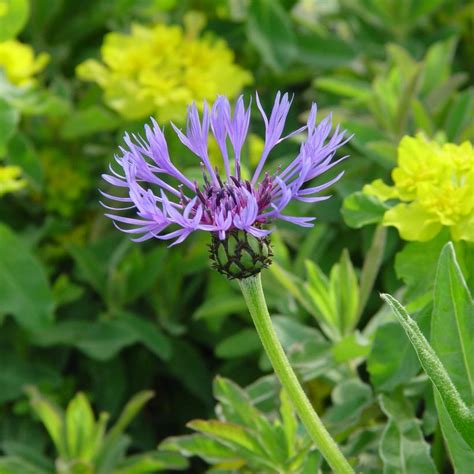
x=253 y=293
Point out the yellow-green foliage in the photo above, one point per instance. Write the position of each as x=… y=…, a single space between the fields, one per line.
x=19 y=62
x=160 y=69
x=435 y=184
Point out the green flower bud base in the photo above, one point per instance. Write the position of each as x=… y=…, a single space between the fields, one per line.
x=240 y=255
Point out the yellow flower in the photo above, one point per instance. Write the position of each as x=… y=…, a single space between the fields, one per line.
x=10 y=179
x=19 y=63
x=158 y=70
x=437 y=184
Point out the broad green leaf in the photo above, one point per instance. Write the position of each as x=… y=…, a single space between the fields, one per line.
x=269 y=30
x=402 y=447
x=452 y=336
x=239 y=344
x=392 y=360
x=350 y=398
x=316 y=51
x=220 y=305
x=352 y=346
x=146 y=332
x=88 y=121
x=52 y=418
x=9 y=118
x=461 y=416
x=80 y=428
x=452 y=324
x=151 y=462
x=13 y=16
x=29 y=453
x=360 y=209
x=187 y=364
x=16 y=465
x=100 y=340
x=416 y=264
x=199 y=445
x=24 y=288
x=17 y=372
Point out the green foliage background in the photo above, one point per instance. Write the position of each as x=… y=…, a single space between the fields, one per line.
x=83 y=309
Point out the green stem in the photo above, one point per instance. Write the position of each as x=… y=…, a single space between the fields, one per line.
x=253 y=293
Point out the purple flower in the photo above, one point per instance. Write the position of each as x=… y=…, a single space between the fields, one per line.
x=224 y=202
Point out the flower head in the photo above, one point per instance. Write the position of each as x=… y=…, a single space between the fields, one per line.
x=19 y=63
x=224 y=203
x=157 y=70
x=436 y=186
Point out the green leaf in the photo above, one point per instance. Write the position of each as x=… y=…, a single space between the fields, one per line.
x=16 y=373
x=239 y=344
x=151 y=462
x=316 y=51
x=130 y=411
x=16 y=465
x=88 y=121
x=100 y=340
x=220 y=305
x=360 y=209
x=347 y=87
x=230 y=434
x=199 y=445
x=13 y=17
x=52 y=418
x=146 y=332
x=372 y=262
x=402 y=447
x=452 y=337
x=352 y=346
x=80 y=428
x=269 y=30
x=21 y=153
x=344 y=289
x=9 y=118
x=416 y=264
x=461 y=416
x=392 y=360
x=350 y=398
x=24 y=288
x=452 y=324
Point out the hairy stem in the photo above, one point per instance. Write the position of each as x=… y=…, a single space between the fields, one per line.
x=253 y=293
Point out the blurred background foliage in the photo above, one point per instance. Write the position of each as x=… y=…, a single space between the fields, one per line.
x=90 y=317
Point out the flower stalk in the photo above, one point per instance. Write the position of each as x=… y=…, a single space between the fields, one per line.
x=254 y=297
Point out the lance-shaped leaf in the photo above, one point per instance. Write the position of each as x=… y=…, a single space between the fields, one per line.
x=452 y=337
x=461 y=416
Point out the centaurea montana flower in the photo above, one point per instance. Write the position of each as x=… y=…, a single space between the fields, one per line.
x=225 y=204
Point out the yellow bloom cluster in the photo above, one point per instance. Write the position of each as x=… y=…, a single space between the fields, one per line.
x=436 y=186
x=19 y=63
x=158 y=70
x=10 y=179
